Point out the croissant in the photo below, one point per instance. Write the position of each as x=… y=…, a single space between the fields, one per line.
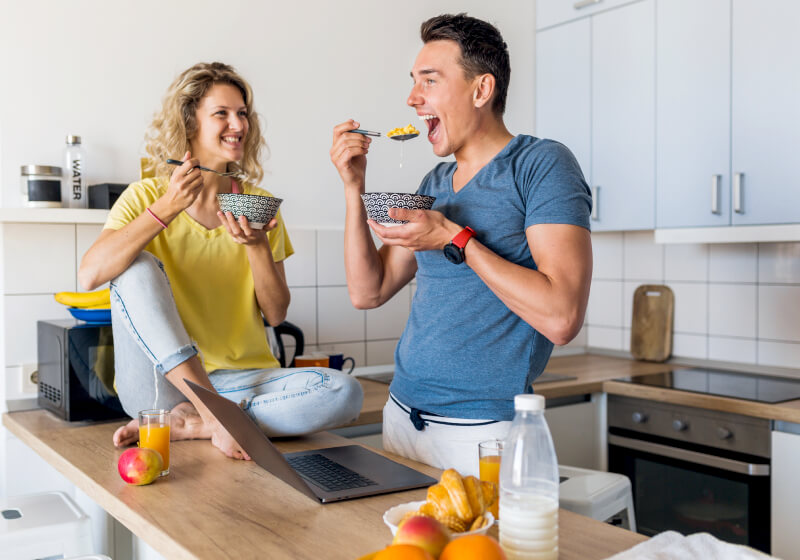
x=459 y=503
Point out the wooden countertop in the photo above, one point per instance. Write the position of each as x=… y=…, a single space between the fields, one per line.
x=214 y=507
x=595 y=374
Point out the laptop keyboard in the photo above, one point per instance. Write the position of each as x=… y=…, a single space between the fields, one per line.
x=326 y=474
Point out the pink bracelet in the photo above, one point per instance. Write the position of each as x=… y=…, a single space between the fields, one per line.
x=156 y=218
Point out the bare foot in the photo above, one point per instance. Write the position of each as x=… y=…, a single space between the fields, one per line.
x=127 y=434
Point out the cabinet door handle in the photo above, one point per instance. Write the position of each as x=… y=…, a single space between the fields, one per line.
x=737 y=193
x=595 y=196
x=585 y=3
x=715 y=182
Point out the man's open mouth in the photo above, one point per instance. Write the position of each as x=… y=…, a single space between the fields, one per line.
x=432 y=122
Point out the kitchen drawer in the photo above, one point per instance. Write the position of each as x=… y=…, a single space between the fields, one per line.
x=553 y=12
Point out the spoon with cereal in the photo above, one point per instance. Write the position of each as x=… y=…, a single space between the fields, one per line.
x=403 y=134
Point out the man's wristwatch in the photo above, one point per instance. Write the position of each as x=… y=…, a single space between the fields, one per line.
x=454 y=251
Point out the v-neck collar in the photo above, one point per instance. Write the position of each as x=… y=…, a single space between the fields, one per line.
x=481 y=170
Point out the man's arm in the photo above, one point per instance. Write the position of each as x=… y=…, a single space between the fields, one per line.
x=373 y=276
x=552 y=299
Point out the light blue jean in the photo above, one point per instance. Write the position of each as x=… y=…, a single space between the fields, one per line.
x=150 y=340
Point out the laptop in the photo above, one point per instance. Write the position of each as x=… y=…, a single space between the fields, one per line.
x=325 y=475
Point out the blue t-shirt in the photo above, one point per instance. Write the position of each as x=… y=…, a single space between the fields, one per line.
x=463 y=352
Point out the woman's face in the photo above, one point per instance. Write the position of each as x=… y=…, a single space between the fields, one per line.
x=222 y=127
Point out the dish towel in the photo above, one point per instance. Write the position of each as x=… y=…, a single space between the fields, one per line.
x=670 y=545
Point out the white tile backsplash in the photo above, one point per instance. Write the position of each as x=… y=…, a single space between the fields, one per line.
x=380 y=352
x=690 y=346
x=303 y=312
x=330 y=258
x=605 y=337
x=301 y=267
x=338 y=320
x=691 y=307
x=686 y=263
x=643 y=259
x=605 y=303
x=607 y=256
x=779 y=263
x=725 y=349
x=39 y=258
x=21 y=314
x=779 y=354
x=779 y=313
x=389 y=320
x=732 y=262
x=732 y=310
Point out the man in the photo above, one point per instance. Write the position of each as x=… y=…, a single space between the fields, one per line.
x=503 y=261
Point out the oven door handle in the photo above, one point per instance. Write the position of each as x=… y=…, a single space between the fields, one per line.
x=752 y=469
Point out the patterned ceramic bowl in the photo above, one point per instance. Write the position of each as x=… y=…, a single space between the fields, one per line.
x=378 y=204
x=258 y=210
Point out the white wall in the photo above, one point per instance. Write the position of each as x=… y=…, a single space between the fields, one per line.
x=99 y=69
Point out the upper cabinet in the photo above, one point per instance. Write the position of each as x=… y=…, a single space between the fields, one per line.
x=727 y=117
x=553 y=12
x=595 y=92
x=765 y=105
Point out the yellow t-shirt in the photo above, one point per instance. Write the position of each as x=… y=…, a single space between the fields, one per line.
x=211 y=279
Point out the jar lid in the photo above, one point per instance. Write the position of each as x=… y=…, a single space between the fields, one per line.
x=528 y=403
x=73 y=139
x=40 y=170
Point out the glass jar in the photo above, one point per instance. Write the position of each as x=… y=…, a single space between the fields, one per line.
x=40 y=186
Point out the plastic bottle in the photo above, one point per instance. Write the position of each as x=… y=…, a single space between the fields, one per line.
x=529 y=485
x=75 y=192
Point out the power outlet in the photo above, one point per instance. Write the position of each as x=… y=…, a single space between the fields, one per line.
x=27 y=374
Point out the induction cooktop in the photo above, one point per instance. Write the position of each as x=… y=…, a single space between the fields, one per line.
x=748 y=386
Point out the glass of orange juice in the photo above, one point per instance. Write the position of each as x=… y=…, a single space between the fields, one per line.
x=489 y=454
x=154 y=433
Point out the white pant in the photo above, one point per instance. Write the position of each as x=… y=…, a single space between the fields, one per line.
x=445 y=446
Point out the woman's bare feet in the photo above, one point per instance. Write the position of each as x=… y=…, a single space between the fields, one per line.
x=186 y=423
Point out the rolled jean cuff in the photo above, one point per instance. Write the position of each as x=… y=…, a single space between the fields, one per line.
x=176 y=359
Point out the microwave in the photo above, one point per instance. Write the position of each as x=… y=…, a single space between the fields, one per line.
x=76 y=370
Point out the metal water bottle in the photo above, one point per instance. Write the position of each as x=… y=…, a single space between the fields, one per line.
x=75 y=192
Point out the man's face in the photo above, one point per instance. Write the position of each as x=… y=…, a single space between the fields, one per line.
x=443 y=97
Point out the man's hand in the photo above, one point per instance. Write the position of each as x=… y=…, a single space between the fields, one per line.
x=426 y=230
x=349 y=154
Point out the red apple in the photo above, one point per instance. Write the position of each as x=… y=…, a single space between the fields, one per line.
x=140 y=465
x=424 y=532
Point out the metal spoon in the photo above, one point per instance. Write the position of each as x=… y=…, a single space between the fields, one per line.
x=404 y=137
x=200 y=167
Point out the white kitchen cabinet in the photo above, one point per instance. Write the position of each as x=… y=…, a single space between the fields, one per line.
x=693 y=113
x=595 y=92
x=727 y=118
x=553 y=12
x=765 y=130
x=579 y=431
x=785 y=494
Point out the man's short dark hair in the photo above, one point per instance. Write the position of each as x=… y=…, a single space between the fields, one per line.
x=483 y=50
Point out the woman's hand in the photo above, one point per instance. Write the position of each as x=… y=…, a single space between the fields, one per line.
x=185 y=184
x=241 y=232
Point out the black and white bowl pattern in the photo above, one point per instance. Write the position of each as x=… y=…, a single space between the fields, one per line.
x=258 y=210
x=378 y=204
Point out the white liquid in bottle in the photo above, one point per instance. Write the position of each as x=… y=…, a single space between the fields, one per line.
x=529 y=527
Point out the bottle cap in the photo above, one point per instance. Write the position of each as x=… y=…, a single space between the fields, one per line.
x=528 y=402
x=71 y=139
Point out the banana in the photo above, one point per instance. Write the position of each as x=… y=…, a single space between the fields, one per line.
x=84 y=299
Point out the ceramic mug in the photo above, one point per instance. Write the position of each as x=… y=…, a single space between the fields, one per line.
x=329 y=360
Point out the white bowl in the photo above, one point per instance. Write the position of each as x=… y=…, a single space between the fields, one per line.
x=394 y=515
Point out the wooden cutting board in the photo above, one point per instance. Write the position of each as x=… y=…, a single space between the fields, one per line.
x=651 y=327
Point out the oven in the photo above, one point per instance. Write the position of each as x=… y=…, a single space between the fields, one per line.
x=693 y=470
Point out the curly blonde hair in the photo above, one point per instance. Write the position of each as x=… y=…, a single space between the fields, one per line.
x=172 y=127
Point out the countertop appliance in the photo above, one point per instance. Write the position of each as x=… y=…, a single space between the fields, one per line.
x=76 y=370
x=723 y=383
x=693 y=470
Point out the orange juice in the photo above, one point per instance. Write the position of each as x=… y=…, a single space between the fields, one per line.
x=153 y=436
x=489 y=469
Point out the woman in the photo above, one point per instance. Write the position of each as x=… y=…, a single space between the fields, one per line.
x=189 y=284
